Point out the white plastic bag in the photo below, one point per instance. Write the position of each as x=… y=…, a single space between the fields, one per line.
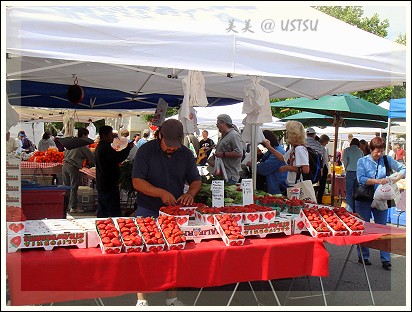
x=385 y=191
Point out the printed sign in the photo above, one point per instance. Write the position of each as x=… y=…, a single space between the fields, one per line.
x=218 y=194
x=247 y=190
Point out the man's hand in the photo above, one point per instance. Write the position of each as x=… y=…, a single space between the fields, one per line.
x=168 y=199
x=186 y=199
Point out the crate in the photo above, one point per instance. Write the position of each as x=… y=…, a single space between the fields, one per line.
x=326 y=199
x=39 y=179
x=42 y=202
x=86 y=198
x=395 y=215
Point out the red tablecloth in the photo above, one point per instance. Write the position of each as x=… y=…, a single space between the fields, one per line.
x=372 y=232
x=28 y=167
x=38 y=276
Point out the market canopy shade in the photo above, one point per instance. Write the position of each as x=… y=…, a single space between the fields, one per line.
x=309 y=119
x=338 y=107
x=146 y=51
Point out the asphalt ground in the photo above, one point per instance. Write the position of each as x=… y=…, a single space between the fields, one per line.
x=389 y=289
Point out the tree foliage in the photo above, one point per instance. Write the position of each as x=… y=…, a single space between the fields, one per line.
x=353 y=16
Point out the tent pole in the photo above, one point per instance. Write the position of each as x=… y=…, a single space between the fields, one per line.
x=388 y=133
x=254 y=155
x=332 y=181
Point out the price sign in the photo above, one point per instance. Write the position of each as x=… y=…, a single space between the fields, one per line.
x=247 y=190
x=218 y=194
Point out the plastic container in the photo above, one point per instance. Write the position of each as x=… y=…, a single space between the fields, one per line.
x=40 y=202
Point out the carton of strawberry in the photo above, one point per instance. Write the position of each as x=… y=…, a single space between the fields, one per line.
x=130 y=235
x=235 y=211
x=314 y=222
x=181 y=214
x=336 y=225
x=205 y=214
x=152 y=236
x=294 y=205
x=109 y=235
x=229 y=229
x=174 y=237
x=355 y=225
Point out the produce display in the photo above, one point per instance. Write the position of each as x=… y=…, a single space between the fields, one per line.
x=51 y=155
x=177 y=224
x=174 y=237
x=230 y=230
x=314 y=222
x=109 y=235
x=130 y=236
x=152 y=236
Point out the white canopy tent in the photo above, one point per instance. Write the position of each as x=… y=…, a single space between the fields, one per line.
x=206 y=117
x=146 y=50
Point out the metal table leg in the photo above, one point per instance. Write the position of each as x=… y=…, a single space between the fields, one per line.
x=364 y=269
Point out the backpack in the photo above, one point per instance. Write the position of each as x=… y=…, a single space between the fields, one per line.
x=315 y=166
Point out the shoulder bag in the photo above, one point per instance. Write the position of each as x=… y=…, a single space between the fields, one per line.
x=365 y=193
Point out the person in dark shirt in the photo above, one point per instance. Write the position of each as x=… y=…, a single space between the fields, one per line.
x=161 y=169
x=206 y=146
x=108 y=174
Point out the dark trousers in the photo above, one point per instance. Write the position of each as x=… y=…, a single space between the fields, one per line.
x=108 y=204
x=322 y=184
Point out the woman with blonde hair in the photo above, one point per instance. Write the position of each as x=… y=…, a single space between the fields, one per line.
x=297 y=157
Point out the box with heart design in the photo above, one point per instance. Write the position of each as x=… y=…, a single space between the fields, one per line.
x=15 y=227
x=251 y=217
x=229 y=229
x=172 y=233
x=197 y=231
x=47 y=239
x=181 y=219
x=205 y=218
x=297 y=222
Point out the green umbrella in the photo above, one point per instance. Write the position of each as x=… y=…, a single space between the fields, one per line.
x=309 y=119
x=339 y=107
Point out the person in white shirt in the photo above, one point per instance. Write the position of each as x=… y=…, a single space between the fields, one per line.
x=11 y=144
x=297 y=157
x=391 y=152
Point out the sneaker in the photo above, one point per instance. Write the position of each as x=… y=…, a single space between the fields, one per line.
x=386 y=265
x=176 y=303
x=142 y=303
x=367 y=262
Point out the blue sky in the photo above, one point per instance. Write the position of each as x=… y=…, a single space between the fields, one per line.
x=396 y=13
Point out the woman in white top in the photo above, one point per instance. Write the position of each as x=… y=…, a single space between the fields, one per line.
x=297 y=157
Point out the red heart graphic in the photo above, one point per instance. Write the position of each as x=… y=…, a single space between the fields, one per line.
x=210 y=219
x=16 y=241
x=300 y=225
x=269 y=215
x=181 y=220
x=252 y=217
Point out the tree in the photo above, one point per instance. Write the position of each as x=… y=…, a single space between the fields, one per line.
x=353 y=16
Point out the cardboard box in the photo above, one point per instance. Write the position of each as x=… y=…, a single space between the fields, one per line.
x=46 y=238
x=297 y=222
x=204 y=218
x=225 y=238
x=197 y=231
x=278 y=225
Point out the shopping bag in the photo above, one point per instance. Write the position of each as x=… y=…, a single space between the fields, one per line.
x=220 y=169
x=306 y=191
x=211 y=160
